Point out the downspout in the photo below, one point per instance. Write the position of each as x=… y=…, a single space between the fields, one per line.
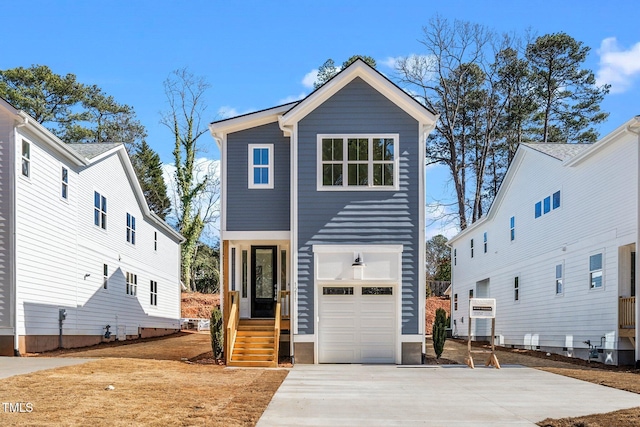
x=635 y=129
x=13 y=244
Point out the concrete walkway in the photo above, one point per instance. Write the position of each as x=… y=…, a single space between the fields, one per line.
x=454 y=395
x=10 y=366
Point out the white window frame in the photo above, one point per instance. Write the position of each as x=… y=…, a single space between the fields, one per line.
x=131 y=229
x=512 y=228
x=251 y=166
x=132 y=284
x=153 y=293
x=101 y=210
x=600 y=270
x=155 y=241
x=64 y=183
x=559 y=280
x=25 y=159
x=370 y=162
x=105 y=276
x=516 y=288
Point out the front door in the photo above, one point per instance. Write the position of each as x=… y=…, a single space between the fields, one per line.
x=264 y=285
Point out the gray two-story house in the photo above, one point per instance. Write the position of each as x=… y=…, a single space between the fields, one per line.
x=322 y=225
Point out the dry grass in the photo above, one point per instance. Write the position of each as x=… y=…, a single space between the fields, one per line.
x=147 y=392
x=198 y=306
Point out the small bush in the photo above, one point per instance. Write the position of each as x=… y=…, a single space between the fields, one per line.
x=439 y=331
x=217 y=337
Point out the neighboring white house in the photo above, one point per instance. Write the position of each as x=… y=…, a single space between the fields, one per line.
x=557 y=251
x=77 y=240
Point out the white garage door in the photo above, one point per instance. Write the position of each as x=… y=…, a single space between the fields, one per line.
x=357 y=324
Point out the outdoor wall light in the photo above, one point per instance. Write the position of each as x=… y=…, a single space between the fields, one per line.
x=87 y=275
x=358 y=261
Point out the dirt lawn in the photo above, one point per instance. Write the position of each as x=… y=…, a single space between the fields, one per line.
x=163 y=392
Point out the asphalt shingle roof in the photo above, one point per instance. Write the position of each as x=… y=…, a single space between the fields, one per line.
x=558 y=150
x=90 y=151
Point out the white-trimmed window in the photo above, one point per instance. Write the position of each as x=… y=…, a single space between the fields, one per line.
x=455 y=257
x=559 y=279
x=595 y=271
x=516 y=288
x=260 y=166
x=99 y=210
x=64 y=183
x=105 y=276
x=132 y=284
x=471 y=248
x=512 y=228
x=484 y=238
x=131 y=229
x=26 y=158
x=155 y=240
x=357 y=162
x=455 y=302
x=153 y=292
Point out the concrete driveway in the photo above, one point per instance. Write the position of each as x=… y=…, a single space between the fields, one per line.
x=10 y=366
x=454 y=395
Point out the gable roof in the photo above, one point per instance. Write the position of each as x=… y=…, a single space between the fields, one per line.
x=288 y=114
x=558 y=150
x=91 y=151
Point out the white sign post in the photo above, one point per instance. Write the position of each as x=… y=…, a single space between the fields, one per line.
x=483 y=308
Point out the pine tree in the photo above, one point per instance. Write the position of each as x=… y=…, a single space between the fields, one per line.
x=148 y=167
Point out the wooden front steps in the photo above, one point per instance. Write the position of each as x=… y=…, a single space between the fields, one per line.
x=255 y=344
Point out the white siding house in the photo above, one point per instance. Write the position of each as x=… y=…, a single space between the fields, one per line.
x=557 y=251
x=77 y=237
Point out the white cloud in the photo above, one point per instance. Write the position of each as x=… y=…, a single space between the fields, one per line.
x=618 y=67
x=211 y=196
x=391 y=62
x=310 y=78
x=292 y=98
x=226 y=111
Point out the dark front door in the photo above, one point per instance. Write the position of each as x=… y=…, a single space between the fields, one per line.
x=263 y=280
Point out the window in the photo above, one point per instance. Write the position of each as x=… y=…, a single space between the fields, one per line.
x=471 y=248
x=283 y=270
x=470 y=293
x=105 y=276
x=233 y=269
x=131 y=229
x=65 y=183
x=516 y=288
x=547 y=204
x=595 y=271
x=512 y=228
x=340 y=290
x=155 y=240
x=260 y=165
x=26 y=158
x=385 y=290
x=559 y=279
x=485 y=241
x=556 y=200
x=455 y=301
x=132 y=284
x=357 y=161
x=538 y=209
x=455 y=257
x=244 y=274
x=100 y=210
x=153 y=292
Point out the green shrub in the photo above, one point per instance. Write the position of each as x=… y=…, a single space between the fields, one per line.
x=439 y=331
x=217 y=337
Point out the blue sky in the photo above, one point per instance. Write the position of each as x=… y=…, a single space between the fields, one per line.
x=256 y=54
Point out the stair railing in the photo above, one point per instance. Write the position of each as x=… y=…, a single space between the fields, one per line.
x=276 y=329
x=232 y=324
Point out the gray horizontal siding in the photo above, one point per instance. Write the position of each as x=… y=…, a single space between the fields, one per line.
x=257 y=209
x=359 y=217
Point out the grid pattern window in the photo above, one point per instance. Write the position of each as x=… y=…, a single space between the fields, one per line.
x=471 y=248
x=512 y=228
x=547 y=204
x=357 y=161
x=64 y=183
x=261 y=166
x=559 y=279
x=455 y=257
x=99 y=210
x=155 y=240
x=105 y=276
x=484 y=237
x=245 y=273
x=595 y=271
x=132 y=284
x=131 y=229
x=455 y=301
x=516 y=288
x=26 y=159
x=153 y=292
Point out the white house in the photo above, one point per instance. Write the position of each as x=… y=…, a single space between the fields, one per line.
x=79 y=248
x=557 y=251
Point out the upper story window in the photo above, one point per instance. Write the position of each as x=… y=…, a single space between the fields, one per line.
x=132 y=284
x=516 y=288
x=455 y=301
x=155 y=240
x=357 y=162
x=548 y=204
x=471 y=248
x=105 y=276
x=512 y=228
x=99 y=210
x=559 y=278
x=26 y=159
x=131 y=229
x=153 y=292
x=260 y=166
x=484 y=237
x=470 y=293
x=64 y=183
x=595 y=271
x=455 y=257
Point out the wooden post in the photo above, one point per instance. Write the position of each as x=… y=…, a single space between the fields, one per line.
x=493 y=359
x=469 y=359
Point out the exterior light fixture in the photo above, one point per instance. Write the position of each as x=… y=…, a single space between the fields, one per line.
x=358 y=261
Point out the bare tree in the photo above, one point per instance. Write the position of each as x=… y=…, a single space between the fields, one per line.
x=196 y=185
